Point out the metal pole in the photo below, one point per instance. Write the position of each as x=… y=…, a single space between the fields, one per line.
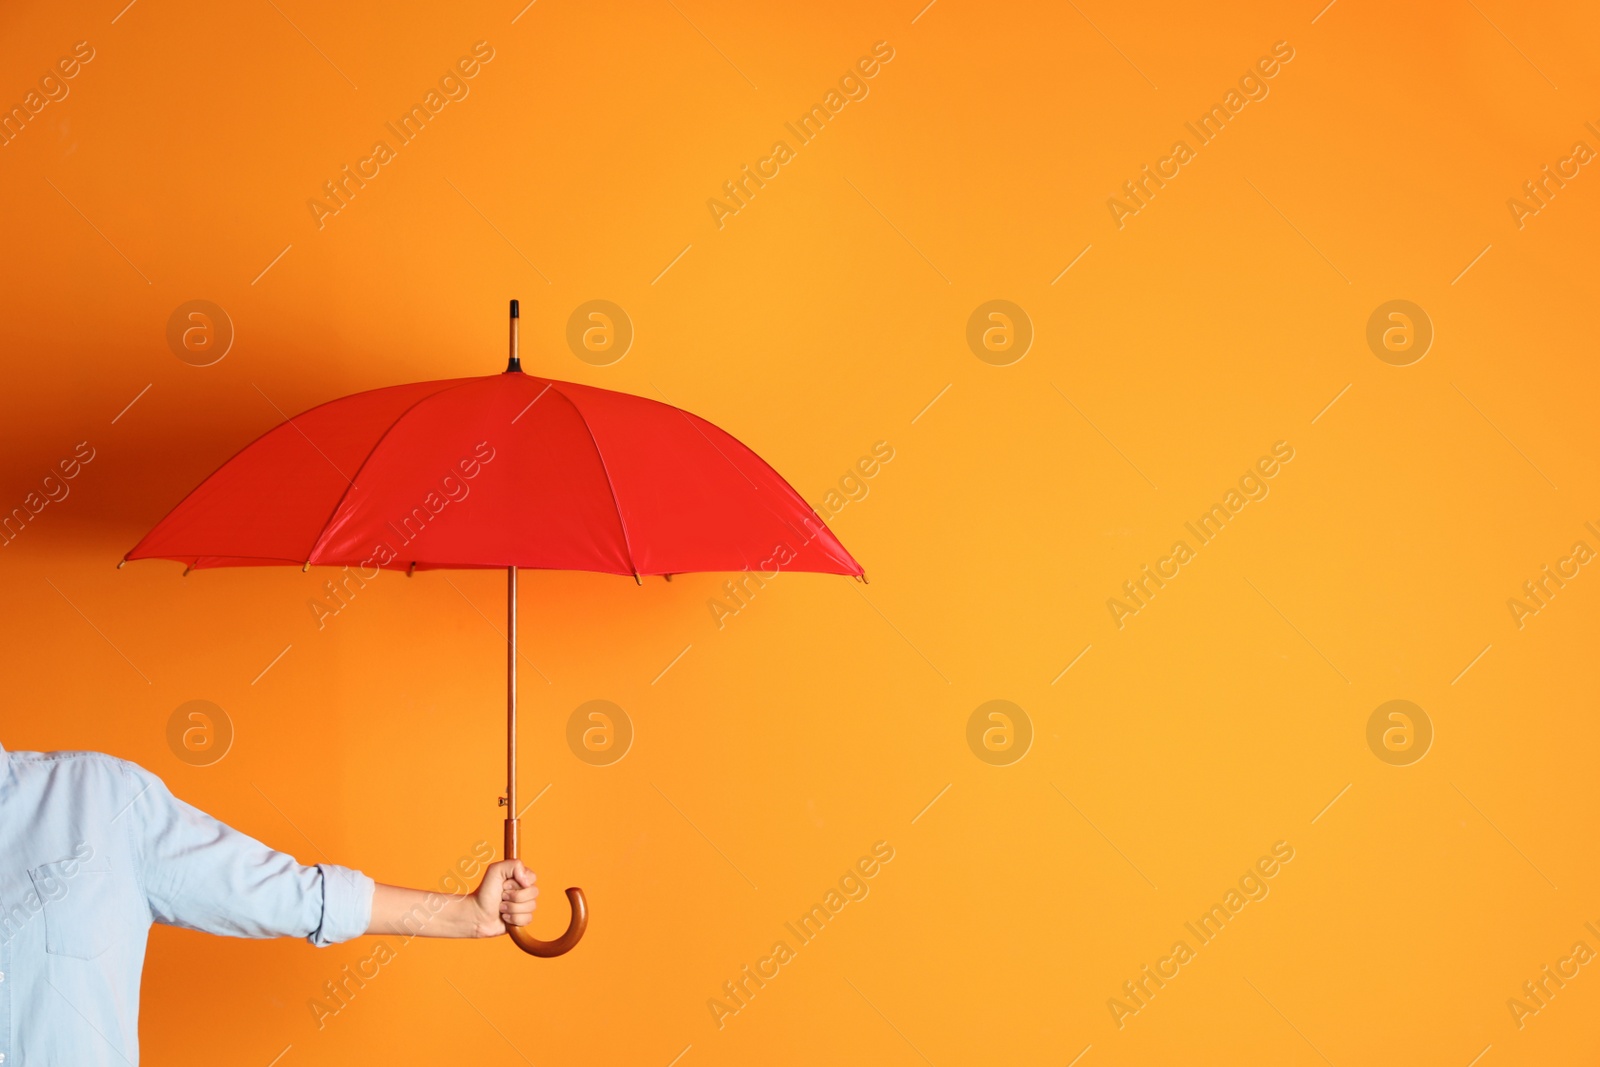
x=511 y=713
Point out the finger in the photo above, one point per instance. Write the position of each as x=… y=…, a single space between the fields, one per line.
x=519 y=916
x=524 y=876
x=521 y=896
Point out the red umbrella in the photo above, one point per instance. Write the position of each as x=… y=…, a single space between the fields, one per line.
x=503 y=471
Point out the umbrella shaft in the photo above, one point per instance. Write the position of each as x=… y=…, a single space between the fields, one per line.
x=511 y=713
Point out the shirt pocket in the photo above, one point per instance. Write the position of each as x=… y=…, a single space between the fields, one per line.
x=81 y=906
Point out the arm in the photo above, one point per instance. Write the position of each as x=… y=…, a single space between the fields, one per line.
x=506 y=896
x=202 y=874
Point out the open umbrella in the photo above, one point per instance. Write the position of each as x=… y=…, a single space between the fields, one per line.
x=505 y=471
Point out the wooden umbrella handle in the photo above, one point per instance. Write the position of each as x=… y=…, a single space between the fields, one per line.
x=563 y=944
x=576 y=926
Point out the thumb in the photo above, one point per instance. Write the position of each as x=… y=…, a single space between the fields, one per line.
x=521 y=874
x=498 y=873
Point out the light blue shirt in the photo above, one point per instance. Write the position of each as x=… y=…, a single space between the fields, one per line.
x=94 y=849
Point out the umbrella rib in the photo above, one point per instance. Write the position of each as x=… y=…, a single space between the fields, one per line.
x=262 y=437
x=616 y=505
x=194 y=560
x=708 y=440
x=287 y=421
x=241 y=451
x=461 y=383
x=808 y=536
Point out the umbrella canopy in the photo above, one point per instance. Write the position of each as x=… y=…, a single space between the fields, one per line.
x=504 y=471
x=509 y=470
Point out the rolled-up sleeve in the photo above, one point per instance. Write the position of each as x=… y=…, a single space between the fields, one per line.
x=346 y=905
x=202 y=874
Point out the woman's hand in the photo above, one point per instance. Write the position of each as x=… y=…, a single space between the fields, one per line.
x=507 y=896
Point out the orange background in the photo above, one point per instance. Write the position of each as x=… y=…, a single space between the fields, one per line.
x=822 y=318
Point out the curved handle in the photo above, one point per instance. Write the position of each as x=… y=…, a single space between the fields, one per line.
x=566 y=942
x=521 y=935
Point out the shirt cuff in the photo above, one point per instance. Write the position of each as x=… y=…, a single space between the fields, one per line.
x=346 y=905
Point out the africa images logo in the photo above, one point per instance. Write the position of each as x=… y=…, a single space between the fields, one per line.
x=53 y=88
x=1137 y=993
x=853 y=885
x=1252 y=486
x=807 y=128
x=1253 y=86
x=452 y=87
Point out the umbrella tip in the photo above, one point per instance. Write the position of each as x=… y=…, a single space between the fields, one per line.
x=514 y=364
